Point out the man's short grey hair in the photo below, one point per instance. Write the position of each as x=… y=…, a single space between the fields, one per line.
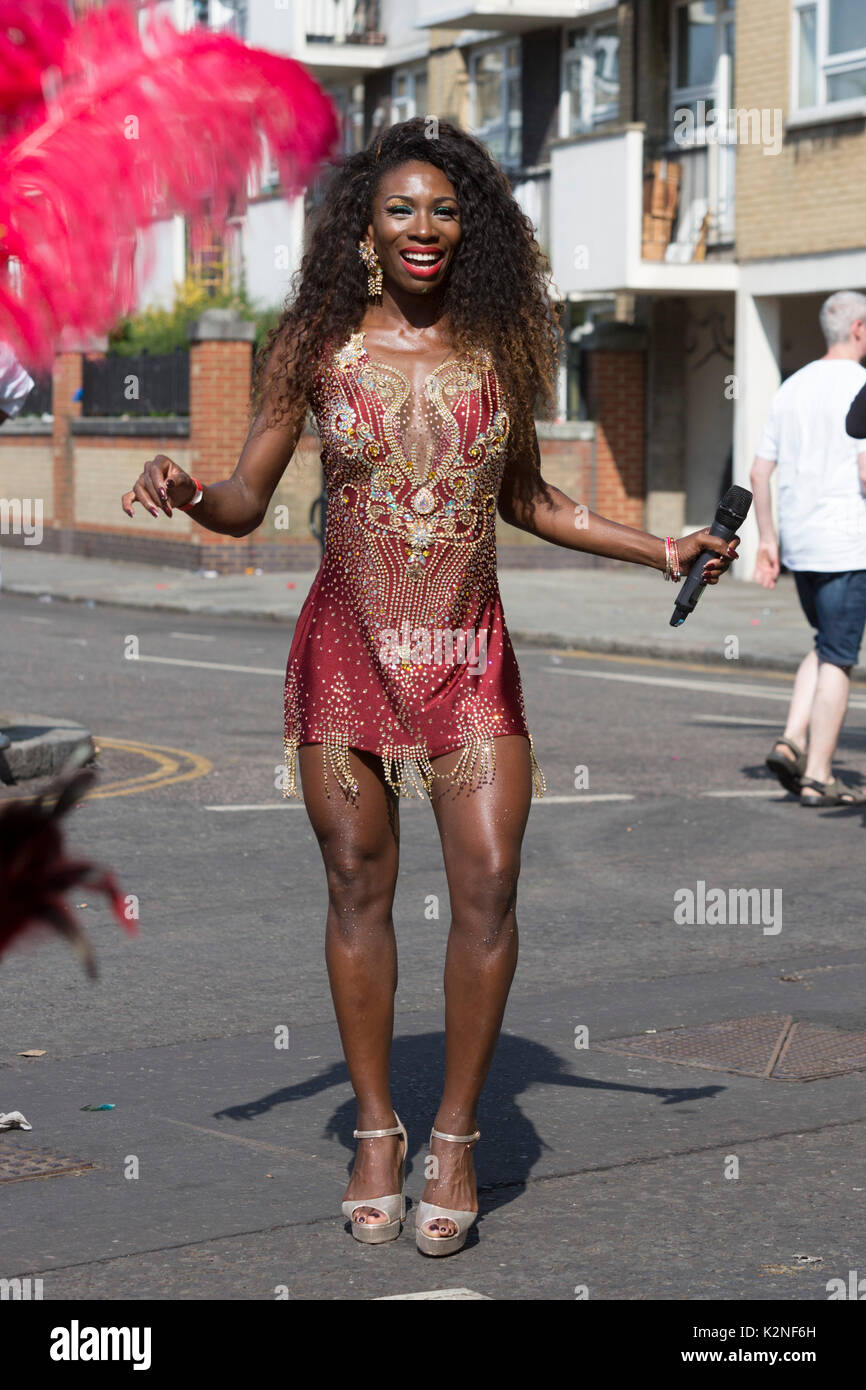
x=839 y=313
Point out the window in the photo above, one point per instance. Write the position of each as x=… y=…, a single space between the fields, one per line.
x=496 y=105
x=702 y=98
x=408 y=94
x=229 y=16
x=350 y=104
x=703 y=60
x=829 y=52
x=590 y=78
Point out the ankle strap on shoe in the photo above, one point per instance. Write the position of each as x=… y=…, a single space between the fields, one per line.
x=455 y=1138
x=376 y=1133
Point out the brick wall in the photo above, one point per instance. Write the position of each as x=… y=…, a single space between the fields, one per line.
x=27 y=469
x=601 y=466
x=812 y=196
x=617 y=401
x=68 y=377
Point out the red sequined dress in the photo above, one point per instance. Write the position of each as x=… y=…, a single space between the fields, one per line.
x=401 y=647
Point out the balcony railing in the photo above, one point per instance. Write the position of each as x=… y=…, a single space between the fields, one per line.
x=343 y=21
x=688 y=204
x=510 y=16
x=615 y=211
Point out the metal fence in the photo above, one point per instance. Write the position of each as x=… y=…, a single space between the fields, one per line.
x=38 y=403
x=147 y=384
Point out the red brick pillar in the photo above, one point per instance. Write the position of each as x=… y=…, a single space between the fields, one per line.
x=617 y=404
x=220 y=367
x=67 y=381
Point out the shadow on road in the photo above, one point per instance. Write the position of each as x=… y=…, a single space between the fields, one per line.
x=510 y=1144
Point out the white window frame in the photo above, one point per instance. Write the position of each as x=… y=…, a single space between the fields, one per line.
x=410 y=100
x=349 y=101
x=227 y=16
x=267 y=178
x=718 y=94
x=826 y=66
x=509 y=70
x=600 y=115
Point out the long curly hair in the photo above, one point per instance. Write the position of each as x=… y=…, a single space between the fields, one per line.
x=500 y=301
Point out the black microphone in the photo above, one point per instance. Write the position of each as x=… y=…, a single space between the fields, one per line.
x=730 y=515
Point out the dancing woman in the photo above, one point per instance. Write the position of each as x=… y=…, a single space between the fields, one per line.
x=422 y=335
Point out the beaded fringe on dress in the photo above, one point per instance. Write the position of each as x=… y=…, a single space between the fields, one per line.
x=407 y=768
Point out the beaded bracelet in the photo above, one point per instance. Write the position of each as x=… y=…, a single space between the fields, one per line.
x=672 y=560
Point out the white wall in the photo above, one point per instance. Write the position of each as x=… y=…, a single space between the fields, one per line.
x=274 y=24
x=594 y=219
x=164 y=241
x=272 y=247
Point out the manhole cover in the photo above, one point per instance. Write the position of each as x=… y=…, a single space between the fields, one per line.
x=812 y=1050
x=17 y=1164
x=765 y=1045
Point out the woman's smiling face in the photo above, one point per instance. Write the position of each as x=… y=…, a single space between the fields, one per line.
x=416 y=226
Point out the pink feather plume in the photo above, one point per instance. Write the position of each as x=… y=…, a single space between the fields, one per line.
x=132 y=127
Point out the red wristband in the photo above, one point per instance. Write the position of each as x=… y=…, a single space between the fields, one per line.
x=196 y=497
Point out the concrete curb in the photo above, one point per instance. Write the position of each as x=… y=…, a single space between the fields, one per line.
x=40 y=745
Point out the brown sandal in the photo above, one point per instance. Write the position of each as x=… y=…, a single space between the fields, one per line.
x=789 y=771
x=833 y=793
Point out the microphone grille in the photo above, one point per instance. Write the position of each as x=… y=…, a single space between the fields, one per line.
x=737 y=500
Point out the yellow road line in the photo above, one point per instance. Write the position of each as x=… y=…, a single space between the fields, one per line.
x=166 y=774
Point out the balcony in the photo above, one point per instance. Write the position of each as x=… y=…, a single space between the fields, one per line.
x=508 y=16
x=532 y=193
x=623 y=222
x=340 y=40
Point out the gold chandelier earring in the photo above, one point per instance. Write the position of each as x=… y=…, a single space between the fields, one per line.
x=371 y=261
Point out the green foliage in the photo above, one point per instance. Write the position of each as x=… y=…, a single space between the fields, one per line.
x=157 y=330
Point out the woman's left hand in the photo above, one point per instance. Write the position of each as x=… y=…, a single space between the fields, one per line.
x=690 y=547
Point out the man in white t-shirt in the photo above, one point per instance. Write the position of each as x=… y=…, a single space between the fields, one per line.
x=15 y=383
x=822 y=529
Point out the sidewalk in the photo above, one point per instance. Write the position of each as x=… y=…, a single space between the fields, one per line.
x=626 y=610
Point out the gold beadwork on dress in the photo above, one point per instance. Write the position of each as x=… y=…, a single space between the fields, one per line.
x=408 y=550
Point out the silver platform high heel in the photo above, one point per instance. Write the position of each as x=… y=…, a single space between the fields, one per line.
x=463 y=1220
x=394 y=1206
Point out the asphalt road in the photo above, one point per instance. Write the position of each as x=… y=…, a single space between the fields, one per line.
x=598 y=1170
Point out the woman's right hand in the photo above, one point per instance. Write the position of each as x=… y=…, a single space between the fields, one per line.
x=161 y=484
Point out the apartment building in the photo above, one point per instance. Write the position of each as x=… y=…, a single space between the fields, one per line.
x=691 y=167
x=520 y=77
x=725 y=205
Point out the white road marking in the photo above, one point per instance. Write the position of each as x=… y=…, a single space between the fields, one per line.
x=215 y=665
x=194 y=636
x=262 y=806
x=777 y=792
x=739 y=688
x=288 y=805
x=733 y=719
x=36 y=620
x=749 y=692
x=584 y=796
